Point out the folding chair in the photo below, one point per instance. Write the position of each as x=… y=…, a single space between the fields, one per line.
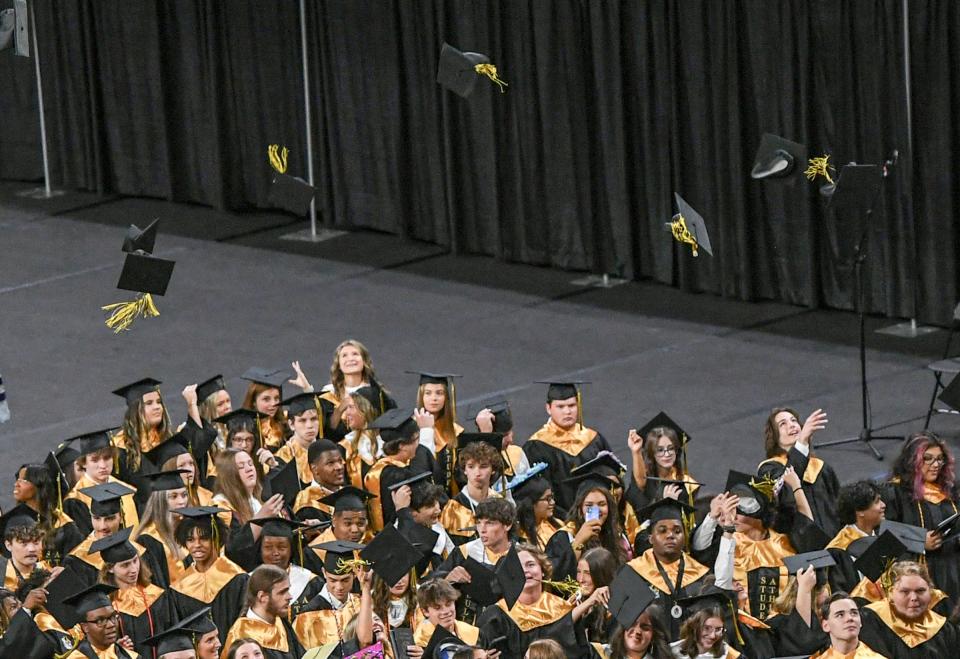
x=946 y=366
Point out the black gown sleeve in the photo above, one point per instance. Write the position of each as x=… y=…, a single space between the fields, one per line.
x=24 y=639
x=242 y=549
x=792 y=636
x=79 y=512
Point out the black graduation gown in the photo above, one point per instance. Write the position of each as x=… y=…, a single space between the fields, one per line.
x=424 y=460
x=793 y=637
x=135 y=621
x=882 y=639
x=230 y=600
x=65 y=538
x=200 y=439
x=695 y=576
x=494 y=622
x=24 y=640
x=561 y=462
x=338 y=432
x=156 y=559
x=87 y=651
x=944 y=563
x=758 y=639
x=79 y=512
x=821 y=494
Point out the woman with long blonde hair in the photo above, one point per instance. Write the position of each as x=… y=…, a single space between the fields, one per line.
x=239 y=489
x=146 y=425
x=360 y=443
x=155 y=531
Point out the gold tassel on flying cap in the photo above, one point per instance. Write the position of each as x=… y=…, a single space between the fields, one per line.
x=490 y=71
x=678 y=227
x=124 y=313
x=567 y=587
x=819 y=167
x=278 y=157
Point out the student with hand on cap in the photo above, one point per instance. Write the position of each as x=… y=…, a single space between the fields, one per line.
x=41 y=487
x=495 y=416
x=211 y=579
x=100 y=625
x=418 y=507
x=666 y=567
x=107 y=520
x=564 y=442
x=323 y=618
x=263 y=396
x=659 y=450
x=265 y=620
x=144 y=608
x=327 y=474
x=401 y=437
x=204 y=437
x=145 y=426
x=96 y=458
x=478 y=457
x=304 y=422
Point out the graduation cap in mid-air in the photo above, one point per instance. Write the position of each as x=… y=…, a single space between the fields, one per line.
x=688 y=227
x=291 y=193
x=142 y=273
x=777 y=158
x=458 y=71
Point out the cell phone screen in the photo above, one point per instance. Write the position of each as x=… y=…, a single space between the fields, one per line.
x=593 y=513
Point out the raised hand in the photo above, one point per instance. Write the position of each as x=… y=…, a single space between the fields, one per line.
x=816 y=421
x=300 y=380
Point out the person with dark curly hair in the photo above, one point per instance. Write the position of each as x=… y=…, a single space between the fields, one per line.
x=861 y=510
x=923 y=492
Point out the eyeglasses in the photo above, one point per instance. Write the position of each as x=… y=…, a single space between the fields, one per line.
x=548 y=499
x=666 y=450
x=707 y=629
x=934 y=459
x=100 y=623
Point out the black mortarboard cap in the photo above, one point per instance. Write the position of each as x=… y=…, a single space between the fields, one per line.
x=66 y=455
x=589 y=480
x=201 y=513
x=285 y=481
x=141 y=240
x=712 y=597
x=492 y=439
x=347 y=498
x=695 y=225
x=59 y=589
x=873 y=561
x=502 y=416
x=199 y=622
x=663 y=420
x=913 y=537
x=391 y=555
x=176 y=445
x=457 y=70
x=336 y=551
x=19 y=515
x=89 y=599
x=291 y=193
x=91 y=442
x=818 y=559
x=510 y=577
x=562 y=390
x=370 y=395
x=395 y=424
x=240 y=416
x=115 y=548
x=439 y=638
x=166 y=480
x=135 y=390
x=279 y=527
x=300 y=403
x=422 y=476
x=480 y=588
x=170 y=640
x=777 y=157
x=858 y=547
x=665 y=509
x=209 y=387
x=105 y=498
x=630 y=596
x=145 y=274
x=271 y=377
x=434 y=378
x=605 y=464
x=520 y=482
x=753 y=502
x=421 y=537
x=856 y=189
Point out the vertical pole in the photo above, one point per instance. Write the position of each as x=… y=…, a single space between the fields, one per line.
x=909 y=168
x=306 y=112
x=43 y=124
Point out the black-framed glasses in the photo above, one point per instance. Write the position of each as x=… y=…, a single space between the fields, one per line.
x=100 y=623
x=547 y=499
x=934 y=459
x=666 y=450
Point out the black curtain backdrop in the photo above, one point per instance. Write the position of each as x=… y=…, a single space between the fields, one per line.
x=611 y=107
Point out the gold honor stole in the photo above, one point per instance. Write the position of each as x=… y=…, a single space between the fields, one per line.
x=546 y=610
x=570 y=441
x=911 y=633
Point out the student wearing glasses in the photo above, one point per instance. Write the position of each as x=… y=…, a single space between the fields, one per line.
x=922 y=492
x=100 y=625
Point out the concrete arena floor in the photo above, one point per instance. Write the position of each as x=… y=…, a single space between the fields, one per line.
x=240 y=296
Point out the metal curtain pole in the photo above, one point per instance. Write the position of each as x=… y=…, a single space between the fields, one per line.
x=306 y=111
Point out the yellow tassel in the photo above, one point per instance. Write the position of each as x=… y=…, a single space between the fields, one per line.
x=316 y=403
x=765 y=485
x=819 y=167
x=579 y=408
x=566 y=588
x=886 y=579
x=490 y=71
x=344 y=567
x=278 y=157
x=678 y=227
x=124 y=313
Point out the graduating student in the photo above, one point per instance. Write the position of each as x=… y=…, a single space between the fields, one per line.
x=22 y=612
x=96 y=459
x=360 y=444
x=280 y=543
x=537 y=523
x=665 y=567
x=145 y=426
x=171 y=644
x=211 y=579
x=323 y=618
x=787 y=443
x=201 y=436
x=303 y=420
x=861 y=510
x=239 y=488
x=639 y=633
x=792 y=618
x=479 y=459
x=41 y=487
x=534 y=612
x=349 y=522
x=840 y=618
x=741 y=635
x=418 y=508
x=659 y=451
x=564 y=442
x=327 y=475
x=496 y=417
x=174 y=455
x=436 y=414
x=351 y=370
x=212 y=402
x=106 y=519
x=923 y=493
x=155 y=533
x=438 y=604
x=401 y=438
x=265 y=620
x=596 y=570
x=702 y=635
x=206 y=637
x=100 y=625
x=903 y=626
x=594 y=520
x=22 y=546
x=144 y=609
x=263 y=396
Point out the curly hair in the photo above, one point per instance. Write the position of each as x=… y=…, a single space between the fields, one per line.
x=854 y=497
x=908 y=468
x=481 y=453
x=532 y=492
x=496 y=509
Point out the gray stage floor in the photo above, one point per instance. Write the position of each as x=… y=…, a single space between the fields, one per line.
x=716 y=366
